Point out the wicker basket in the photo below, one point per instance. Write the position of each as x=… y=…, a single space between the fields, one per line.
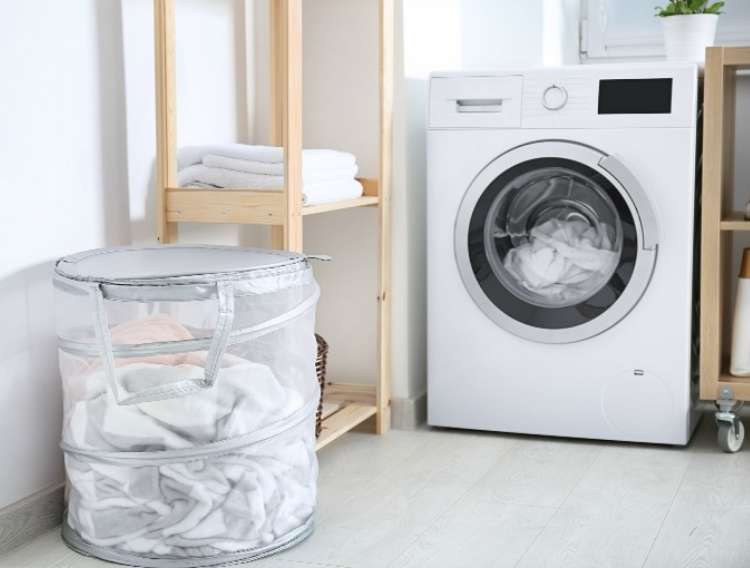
x=320 y=368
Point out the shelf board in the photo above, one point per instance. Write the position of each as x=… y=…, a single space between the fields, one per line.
x=740 y=386
x=330 y=408
x=727 y=377
x=735 y=222
x=364 y=201
x=342 y=421
x=341 y=393
x=194 y=205
x=345 y=406
x=737 y=57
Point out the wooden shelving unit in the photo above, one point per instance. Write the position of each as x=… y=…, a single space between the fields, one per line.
x=719 y=224
x=283 y=211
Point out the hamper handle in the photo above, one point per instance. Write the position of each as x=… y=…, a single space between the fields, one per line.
x=219 y=342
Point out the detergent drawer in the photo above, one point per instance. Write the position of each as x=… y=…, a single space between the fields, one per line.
x=476 y=102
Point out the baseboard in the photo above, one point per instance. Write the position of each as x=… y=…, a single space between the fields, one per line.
x=408 y=413
x=30 y=517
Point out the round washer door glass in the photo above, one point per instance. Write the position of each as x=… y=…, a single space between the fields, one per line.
x=552 y=245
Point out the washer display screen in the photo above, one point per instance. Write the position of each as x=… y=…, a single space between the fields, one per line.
x=635 y=96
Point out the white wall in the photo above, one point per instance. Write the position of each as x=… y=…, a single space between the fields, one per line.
x=63 y=177
x=341 y=111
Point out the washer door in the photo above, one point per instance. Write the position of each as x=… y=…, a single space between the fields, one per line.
x=555 y=241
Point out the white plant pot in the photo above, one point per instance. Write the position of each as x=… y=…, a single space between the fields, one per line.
x=687 y=37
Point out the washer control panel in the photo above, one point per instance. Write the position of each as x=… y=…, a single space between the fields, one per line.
x=579 y=96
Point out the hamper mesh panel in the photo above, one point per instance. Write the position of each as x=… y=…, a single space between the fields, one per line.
x=289 y=352
x=247 y=396
x=146 y=322
x=260 y=380
x=209 y=506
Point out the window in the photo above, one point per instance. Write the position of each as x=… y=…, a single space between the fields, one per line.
x=628 y=28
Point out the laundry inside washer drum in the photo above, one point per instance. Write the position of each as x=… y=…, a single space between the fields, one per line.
x=553 y=237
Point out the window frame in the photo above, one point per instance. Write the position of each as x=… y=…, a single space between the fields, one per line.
x=597 y=44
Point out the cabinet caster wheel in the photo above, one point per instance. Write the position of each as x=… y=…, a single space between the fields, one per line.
x=731 y=436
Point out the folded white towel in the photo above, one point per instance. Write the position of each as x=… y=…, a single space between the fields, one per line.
x=313 y=193
x=311 y=159
x=310 y=174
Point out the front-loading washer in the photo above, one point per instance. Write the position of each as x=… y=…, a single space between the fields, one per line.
x=560 y=251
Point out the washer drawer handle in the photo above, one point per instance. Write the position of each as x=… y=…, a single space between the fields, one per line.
x=479 y=105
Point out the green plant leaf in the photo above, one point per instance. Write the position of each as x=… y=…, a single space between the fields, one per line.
x=685 y=9
x=689 y=7
x=668 y=10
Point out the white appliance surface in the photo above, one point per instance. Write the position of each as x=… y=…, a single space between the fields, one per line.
x=630 y=381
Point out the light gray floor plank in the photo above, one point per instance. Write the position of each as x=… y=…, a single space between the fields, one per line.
x=574 y=539
x=537 y=473
x=477 y=533
x=703 y=538
x=613 y=515
x=42 y=552
x=708 y=522
x=377 y=525
x=630 y=477
x=349 y=468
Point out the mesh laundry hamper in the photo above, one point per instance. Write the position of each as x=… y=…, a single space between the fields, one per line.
x=189 y=403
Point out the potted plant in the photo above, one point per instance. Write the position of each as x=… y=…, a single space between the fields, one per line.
x=689 y=27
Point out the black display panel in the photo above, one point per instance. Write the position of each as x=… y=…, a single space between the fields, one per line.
x=635 y=96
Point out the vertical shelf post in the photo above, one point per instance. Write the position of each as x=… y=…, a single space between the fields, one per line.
x=383 y=390
x=278 y=76
x=293 y=125
x=286 y=111
x=713 y=140
x=166 y=107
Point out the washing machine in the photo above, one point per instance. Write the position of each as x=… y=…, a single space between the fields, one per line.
x=561 y=222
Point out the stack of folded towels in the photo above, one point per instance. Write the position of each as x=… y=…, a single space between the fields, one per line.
x=327 y=175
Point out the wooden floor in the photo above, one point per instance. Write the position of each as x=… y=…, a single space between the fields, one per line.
x=466 y=500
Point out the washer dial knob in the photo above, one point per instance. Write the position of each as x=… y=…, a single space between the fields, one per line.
x=554 y=97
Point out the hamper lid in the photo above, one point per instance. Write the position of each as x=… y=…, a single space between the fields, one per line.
x=173 y=263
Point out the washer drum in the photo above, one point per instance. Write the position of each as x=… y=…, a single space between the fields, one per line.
x=189 y=403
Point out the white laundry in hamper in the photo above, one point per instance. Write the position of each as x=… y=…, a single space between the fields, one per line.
x=189 y=403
